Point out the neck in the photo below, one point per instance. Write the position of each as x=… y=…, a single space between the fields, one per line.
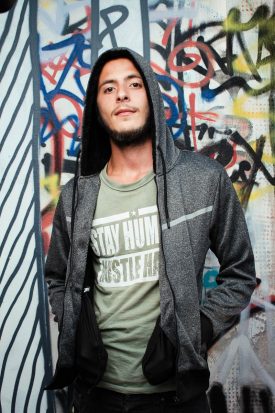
x=131 y=163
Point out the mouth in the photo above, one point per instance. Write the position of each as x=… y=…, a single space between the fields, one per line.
x=125 y=111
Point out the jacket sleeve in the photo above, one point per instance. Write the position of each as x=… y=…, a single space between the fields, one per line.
x=56 y=263
x=236 y=279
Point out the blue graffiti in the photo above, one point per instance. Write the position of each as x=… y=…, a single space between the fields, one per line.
x=175 y=120
x=48 y=115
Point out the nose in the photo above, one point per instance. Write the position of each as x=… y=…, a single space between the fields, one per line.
x=122 y=95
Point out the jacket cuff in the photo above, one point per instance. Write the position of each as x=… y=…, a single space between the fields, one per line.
x=206 y=330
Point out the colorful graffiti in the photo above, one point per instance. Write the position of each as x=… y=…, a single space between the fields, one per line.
x=206 y=74
x=65 y=51
x=217 y=80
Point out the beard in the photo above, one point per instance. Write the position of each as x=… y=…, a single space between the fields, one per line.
x=133 y=137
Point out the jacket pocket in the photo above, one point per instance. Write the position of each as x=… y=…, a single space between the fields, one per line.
x=91 y=356
x=159 y=360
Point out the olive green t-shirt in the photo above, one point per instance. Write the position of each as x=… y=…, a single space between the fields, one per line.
x=125 y=241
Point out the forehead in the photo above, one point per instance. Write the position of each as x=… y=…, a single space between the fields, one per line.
x=117 y=68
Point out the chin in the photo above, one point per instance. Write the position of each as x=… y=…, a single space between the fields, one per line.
x=127 y=125
x=131 y=132
x=128 y=130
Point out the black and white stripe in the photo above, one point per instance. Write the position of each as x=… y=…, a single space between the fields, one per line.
x=25 y=344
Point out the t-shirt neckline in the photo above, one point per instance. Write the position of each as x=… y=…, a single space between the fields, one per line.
x=125 y=187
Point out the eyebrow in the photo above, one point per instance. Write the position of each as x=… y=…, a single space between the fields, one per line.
x=129 y=77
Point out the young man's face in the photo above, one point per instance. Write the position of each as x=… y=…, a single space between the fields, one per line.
x=122 y=103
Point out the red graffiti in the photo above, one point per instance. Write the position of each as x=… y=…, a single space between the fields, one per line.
x=196 y=61
x=168 y=31
x=58 y=67
x=208 y=116
x=77 y=108
x=47 y=219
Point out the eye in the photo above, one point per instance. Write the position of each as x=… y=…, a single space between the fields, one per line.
x=136 y=85
x=108 y=89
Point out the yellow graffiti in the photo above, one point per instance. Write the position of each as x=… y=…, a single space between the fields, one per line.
x=260 y=192
x=45 y=4
x=261 y=17
x=240 y=64
x=233 y=24
x=51 y=185
x=266 y=158
x=240 y=111
x=256 y=193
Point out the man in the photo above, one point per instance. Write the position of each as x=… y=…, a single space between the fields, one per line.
x=136 y=226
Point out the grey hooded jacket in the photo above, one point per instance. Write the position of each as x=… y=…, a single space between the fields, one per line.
x=198 y=210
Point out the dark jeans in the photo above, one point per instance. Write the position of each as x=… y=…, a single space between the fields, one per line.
x=107 y=401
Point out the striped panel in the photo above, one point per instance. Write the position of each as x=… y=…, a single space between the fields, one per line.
x=187 y=217
x=23 y=325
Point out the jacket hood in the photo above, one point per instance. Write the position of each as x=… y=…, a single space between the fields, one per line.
x=96 y=149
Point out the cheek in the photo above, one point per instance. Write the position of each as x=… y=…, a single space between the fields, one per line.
x=146 y=110
x=102 y=108
x=145 y=106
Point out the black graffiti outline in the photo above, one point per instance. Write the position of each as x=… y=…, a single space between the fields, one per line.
x=110 y=27
x=226 y=63
x=255 y=156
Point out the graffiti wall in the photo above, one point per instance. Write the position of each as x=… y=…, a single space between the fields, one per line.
x=215 y=64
